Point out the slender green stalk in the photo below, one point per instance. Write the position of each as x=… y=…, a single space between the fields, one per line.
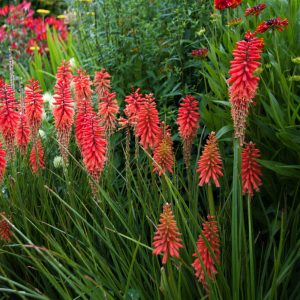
x=211 y=203
x=235 y=222
x=251 y=256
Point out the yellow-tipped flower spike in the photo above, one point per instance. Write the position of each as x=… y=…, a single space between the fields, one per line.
x=43 y=11
x=61 y=17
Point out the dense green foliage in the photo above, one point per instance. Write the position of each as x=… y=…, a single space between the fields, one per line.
x=71 y=245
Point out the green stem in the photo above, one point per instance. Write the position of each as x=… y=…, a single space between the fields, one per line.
x=211 y=203
x=235 y=222
x=251 y=258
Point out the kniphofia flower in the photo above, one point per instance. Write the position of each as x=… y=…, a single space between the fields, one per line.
x=63 y=111
x=251 y=169
x=34 y=107
x=188 y=122
x=102 y=82
x=243 y=81
x=108 y=110
x=255 y=10
x=82 y=86
x=5 y=228
x=163 y=155
x=23 y=131
x=8 y=117
x=208 y=246
x=275 y=23
x=167 y=237
x=93 y=147
x=148 y=122
x=2 y=162
x=210 y=163
x=37 y=156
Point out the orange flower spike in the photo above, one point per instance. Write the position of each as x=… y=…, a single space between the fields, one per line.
x=166 y=239
x=5 y=228
x=243 y=81
x=211 y=233
x=251 y=169
x=2 y=162
x=93 y=146
x=23 y=133
x=133 y=104
x=37 y=157
x=102 y=82
x=148 y=123
x=33 y=107
x=82 y=86
x=63 y=111
x=8 y=117
x=163 y=152
x=210 y=163
x=108 y=110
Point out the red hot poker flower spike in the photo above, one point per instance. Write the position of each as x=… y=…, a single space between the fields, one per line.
x=148 y=122
x=108 y=110
x=166 y=239
x=206 y=247
x=102 y=82
x=188 y=122
x=37 y=157
x=251 y=169
x=276 y=24
x=8 y=117
x=5 y=228
x=210 y=163
x=2 y=162
x=255 y=10
x=243 y=81
x=93 y=147
x=82 y=86
x=163 y=152
x=23 y=133
x=34 y=107
x=64 y=108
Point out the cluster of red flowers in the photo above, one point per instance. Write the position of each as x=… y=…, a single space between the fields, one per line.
x=275 y=23
x=202 y=52
x=21 y=30
x=167 y=241
x=223 y=4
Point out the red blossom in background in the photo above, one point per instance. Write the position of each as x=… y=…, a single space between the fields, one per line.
x=166 y=239
x=223 y=4
x=163 y=155
x=188 y=122
x=63 y=111
x=251 y=169
x=276 y=24
x=108 y=110
x=202 y=52
x=243 y=81
x=102 y=82
x=37 y=156
x=5 y=228
x=33 y=107
x=208 y=243
x=255 y=10
x=82 y=86
x=210 y=163
x=2 y=162
x=93 y=147
x=148 y=122
x=8 y=117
